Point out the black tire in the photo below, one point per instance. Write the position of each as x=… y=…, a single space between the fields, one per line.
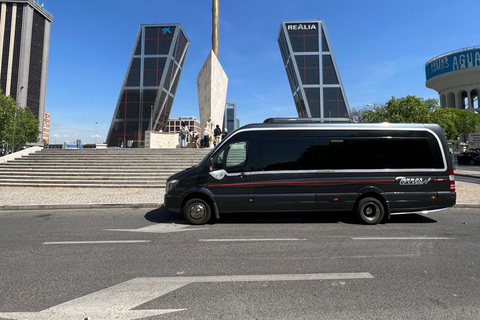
x=472 y=162
x=370 y=211
x=197 y=211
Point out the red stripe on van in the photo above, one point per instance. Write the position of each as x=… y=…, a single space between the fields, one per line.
x=296 y=182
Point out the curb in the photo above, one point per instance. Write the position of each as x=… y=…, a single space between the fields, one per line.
x=467 y=205
x=477 y=176
x=137 y=205
x=81 y=206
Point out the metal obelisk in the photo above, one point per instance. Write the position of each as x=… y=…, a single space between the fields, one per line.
x=212 y=83
x=215 y=27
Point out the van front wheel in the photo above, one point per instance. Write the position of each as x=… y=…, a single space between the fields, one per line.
x=370 y=211
x=197 y=211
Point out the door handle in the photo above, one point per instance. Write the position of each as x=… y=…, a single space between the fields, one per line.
x=243 y=175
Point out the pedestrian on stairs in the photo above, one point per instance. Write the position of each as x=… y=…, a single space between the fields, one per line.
x=217 y=133
x=184 y=131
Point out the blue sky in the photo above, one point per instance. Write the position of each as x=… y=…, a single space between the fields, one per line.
x=380 y=48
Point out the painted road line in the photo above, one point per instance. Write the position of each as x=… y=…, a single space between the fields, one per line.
x=402 y=238
x=99 y=242
x=117 y=301
x=251 y=240
x=413 y=255
x=161 y=228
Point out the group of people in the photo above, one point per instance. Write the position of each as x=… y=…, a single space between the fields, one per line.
x=211 y=136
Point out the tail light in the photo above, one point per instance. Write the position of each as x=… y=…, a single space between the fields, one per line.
x=451 y=179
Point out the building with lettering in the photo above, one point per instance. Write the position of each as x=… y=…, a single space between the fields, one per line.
x=150 y=84
x=174 y=124
x=24 y=46
x=456 y=77
x=312 y=71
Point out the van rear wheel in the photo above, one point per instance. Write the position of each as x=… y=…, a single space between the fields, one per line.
x=370 y=211
x=197 y=211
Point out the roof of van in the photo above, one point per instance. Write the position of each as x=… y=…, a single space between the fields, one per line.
x=386 y=125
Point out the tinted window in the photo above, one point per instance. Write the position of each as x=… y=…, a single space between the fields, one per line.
x=285 y=154
x=334 y=104
x=329 y=73
x=303 y=37
x=324 y=42
x=133 y=79
x=308 y=69
x=313 y=99
x=375 y=153
x=283 y=47
x=362 y=153
x=153 y=70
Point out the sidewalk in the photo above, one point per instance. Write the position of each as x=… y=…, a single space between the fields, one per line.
x=31 y=198
x=25 y=198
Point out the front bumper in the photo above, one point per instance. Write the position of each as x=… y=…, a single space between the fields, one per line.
x=172 y=202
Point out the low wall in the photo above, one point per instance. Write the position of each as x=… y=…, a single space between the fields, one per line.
x=19 y=154
x=158 y=140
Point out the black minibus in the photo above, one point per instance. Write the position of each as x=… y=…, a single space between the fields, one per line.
x=373 y=170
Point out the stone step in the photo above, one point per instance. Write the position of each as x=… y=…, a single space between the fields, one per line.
x=79 y=185
x=11 y=174
x=79 y=166
x=103 y=163
x=80 y=181
x=28 y=160
x=109 y=157
x=136 y=168
x=101 y=169
x=83 y=177
x=162 y=151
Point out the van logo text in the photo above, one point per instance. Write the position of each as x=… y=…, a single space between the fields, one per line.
x=412 y=181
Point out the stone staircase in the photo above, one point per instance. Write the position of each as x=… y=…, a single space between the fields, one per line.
x=104 y=168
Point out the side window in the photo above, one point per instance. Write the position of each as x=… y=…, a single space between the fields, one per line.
x=237 y=154
x=286 y=154
x=218 y=160
x=233 y=155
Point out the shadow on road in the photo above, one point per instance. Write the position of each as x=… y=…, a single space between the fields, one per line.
x=287 y=217
x=162 y=215
x=411 y=218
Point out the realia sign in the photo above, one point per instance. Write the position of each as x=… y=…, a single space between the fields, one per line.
x=302 y=26
x=453 y=62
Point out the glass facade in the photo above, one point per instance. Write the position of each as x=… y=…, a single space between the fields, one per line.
x=150 y=84
x=231 y=123
x=312 y=72
x=24 y=46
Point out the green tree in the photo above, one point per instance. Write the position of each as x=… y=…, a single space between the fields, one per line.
x=17 y=125
x=412 y=109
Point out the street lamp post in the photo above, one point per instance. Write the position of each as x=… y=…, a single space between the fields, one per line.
x=96 y=123
x=14 y=128
x=151 y=117
x=15 y=121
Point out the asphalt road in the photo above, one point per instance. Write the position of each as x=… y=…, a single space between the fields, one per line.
x=283 y=266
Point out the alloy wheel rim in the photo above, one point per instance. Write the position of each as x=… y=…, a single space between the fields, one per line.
x=371 y=211
x=197 y=211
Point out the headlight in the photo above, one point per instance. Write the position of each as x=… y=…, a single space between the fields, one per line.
x=170 y=185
